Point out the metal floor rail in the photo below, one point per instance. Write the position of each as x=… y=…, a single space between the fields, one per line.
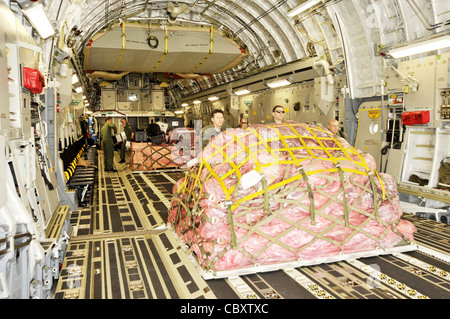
x=120 y=249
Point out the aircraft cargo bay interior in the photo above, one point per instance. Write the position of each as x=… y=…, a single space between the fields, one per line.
x=225 y=150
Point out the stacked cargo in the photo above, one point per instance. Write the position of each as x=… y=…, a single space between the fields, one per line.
x=147 y=157
x=284 y=192
x=181 y=149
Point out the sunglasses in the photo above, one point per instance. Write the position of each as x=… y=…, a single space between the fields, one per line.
x=243 y=122
x=278 y=111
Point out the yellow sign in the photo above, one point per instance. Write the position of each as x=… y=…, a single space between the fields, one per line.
x=374 y=114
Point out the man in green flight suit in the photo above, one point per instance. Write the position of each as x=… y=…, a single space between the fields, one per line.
x=108 y=145
x=129 y=134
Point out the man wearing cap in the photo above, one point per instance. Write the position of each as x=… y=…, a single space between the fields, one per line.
x=129 y=134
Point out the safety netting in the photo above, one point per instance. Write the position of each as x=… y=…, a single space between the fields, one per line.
x=148 y=157
x=182 y=148
x=284 y=192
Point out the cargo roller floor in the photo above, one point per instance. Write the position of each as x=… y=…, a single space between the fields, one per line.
x=128 y=266
x=120 y=248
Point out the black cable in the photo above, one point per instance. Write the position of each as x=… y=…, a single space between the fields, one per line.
x=385 y=149
x=152 y=38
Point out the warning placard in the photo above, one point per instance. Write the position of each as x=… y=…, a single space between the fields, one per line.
x=374 y=114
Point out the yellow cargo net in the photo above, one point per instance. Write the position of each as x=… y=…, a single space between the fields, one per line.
x=241 y=148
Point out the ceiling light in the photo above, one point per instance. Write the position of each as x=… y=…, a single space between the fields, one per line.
x=179 y=112
x=74 y=78
x=197 y=102
x=278 y=83
x=184 y=104
x=421 y=47
x=39 y=20
x=242 y=91
x=79 y=89
x=213 y=98
x=302 y=7
x=132 y=97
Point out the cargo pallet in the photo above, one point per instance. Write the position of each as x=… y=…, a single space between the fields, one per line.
x=160 y=170
x=438 y=214
x=258 y=268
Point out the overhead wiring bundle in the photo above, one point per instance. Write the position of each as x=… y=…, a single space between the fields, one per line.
x=284 y=192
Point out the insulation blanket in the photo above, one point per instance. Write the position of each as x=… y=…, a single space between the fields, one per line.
x=284 y=192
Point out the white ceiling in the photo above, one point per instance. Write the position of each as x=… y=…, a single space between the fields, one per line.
x=345 y=33
x=175 y=50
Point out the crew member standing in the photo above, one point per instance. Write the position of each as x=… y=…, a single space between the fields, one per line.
x=83 y=126
x=277 y=114
x=129 y=134
x=243 y=123
x=217 y=126
x=333 y=127
x=108 y=144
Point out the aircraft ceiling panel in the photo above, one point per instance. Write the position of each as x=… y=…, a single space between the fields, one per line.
x=177 y=50
x=136 y=61
x=346 y=33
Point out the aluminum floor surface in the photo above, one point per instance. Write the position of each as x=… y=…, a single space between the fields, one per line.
x=120 y=249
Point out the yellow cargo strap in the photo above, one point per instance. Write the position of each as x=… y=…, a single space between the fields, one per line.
x=123 y=46
x=165 y=48
x=211 y=41
x=343 y=163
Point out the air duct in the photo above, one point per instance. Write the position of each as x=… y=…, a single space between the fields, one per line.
x=174 y=10
x=107 y=75
x=317 y=65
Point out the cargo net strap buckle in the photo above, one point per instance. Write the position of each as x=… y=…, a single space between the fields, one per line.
x=225 y=204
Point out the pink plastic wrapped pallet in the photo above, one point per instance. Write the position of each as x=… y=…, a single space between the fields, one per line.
x=284 y=192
